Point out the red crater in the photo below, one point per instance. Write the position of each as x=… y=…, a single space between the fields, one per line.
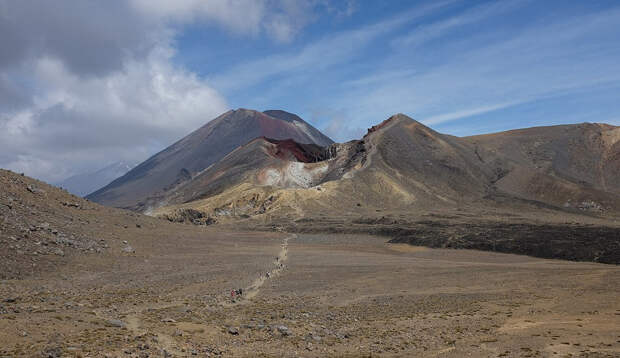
x=288 y=149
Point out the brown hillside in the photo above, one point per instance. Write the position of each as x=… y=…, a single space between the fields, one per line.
x=404 y=165
x=574 y=166
x=43 y=227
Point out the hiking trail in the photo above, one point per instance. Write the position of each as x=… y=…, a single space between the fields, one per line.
x=251 y=291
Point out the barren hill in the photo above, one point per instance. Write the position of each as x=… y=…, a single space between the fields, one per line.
x=42 y=226
x=574 y=166
x=404 y=165
x=200 y=149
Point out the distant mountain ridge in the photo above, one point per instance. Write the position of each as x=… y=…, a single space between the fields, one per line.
x=273 y=164
x=404 y=166
x=86 y=183
x=201 y=149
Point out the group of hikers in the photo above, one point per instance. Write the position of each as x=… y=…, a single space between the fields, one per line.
x=238 y=293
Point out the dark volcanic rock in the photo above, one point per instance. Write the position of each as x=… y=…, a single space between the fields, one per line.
x=567 y=242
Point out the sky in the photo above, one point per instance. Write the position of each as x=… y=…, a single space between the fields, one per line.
x=85 y=83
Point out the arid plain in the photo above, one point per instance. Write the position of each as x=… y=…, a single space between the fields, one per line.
x=339 y=295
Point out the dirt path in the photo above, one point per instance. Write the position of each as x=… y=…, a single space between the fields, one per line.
x=134 y=324
x=254 y=288
x=133 y=321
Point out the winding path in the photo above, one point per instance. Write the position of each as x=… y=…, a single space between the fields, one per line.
x=254 y=288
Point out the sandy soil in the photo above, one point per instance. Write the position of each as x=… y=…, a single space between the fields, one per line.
x=339 y=295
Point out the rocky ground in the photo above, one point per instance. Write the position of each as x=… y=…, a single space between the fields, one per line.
x=340 y=295
x=42 y=226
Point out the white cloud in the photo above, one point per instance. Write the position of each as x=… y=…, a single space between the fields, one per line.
x=450 y=116
x=426 y=33
x=331 y=50
x=242 y=16
x=81 y=123
x=280 y=19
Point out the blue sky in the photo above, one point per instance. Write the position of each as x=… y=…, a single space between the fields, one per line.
x=461 y=67
x=88 y=83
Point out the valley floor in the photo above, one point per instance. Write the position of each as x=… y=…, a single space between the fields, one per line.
x=326 y=295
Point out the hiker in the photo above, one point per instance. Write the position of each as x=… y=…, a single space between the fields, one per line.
x=232 y=294
x=240 y=292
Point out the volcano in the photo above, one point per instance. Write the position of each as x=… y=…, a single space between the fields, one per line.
x=200 y=149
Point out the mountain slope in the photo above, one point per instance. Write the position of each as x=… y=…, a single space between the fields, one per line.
x=200 y=149
x=569 y=165
x=86 y=183
x=583 y=153
x=403 y=166
x=43 y=227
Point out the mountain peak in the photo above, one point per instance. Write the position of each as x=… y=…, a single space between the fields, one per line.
x=403 y=118
x=398 y=118
x=245 y=111
x=202 y=148
x=283 y=115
